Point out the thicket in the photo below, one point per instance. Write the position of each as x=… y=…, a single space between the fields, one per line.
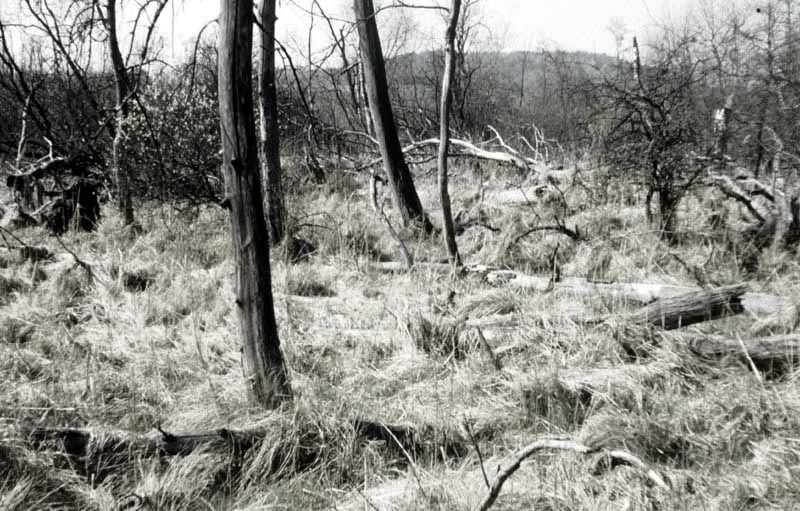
x=646 y=115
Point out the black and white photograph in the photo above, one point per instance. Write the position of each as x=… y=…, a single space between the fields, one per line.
x=399 y=255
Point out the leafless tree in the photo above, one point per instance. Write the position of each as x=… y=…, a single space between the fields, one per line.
x=122 y=85
x=399 y=176
x=262 y=359
x=269 y=148
x=72 y=29
x=448 y=229
x=655 y=124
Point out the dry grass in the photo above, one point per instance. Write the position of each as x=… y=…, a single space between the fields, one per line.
x=149 y=338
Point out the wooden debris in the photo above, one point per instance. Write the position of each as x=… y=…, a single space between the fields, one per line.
x=565 y=445
x=774 y=348
x=689 y=308
x=60 y=192
x=81 y=442
x=758 y=304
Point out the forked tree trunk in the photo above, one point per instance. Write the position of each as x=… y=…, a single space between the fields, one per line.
x=403 y=191
x=269 y=152
x=124 y=203
x=262 y=359
x=448 y=231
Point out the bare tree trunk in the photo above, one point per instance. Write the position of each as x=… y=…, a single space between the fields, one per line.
x=405 y=194
x=448 y=231
x=121 y=176
x=262 y=359
x=269 y=149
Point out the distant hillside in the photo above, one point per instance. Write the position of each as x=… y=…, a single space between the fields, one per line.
x=509 y=65
x=548 y=89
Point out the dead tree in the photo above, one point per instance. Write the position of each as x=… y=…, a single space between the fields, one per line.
x=262 y=359
x=70 y=28
x=121 y=86
x=399 y=176
x=269 y=148
x=61 y=192
x=448 y=231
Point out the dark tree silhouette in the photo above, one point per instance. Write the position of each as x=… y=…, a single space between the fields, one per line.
x=400 y=181
x=269 y=148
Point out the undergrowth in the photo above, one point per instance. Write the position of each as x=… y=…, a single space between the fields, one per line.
x=135 y=331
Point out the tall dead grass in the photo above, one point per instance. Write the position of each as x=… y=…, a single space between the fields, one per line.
x=148 y=339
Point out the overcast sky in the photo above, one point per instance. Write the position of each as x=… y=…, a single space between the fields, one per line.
x=515 y=24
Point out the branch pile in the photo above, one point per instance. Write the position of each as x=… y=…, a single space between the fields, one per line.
x=776 y=214
x=59 y=192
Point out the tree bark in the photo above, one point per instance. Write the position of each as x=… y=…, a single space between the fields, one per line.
x=121 y=176
x=759 y=304
x=448 y=231
x=269 y=152
x=262 y=359
x=402 y=184
x=775 y=348
x=689 y=308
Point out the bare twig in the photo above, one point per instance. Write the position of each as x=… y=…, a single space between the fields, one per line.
x=385 y=221
x=408 y=457
x=558 y=228
x=528 y=450
x=477 y=450
x=565 y=445
x=6 y=231
x=749 y=359
x=78 y=260
x=501 y=141
x=488 y=350
x=638 y=463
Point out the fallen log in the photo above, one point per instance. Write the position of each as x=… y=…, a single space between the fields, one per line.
x=79 y=442
x=688 y=308
x=758 y=304
x=394 y=267
x=464 y=148
x=774 y=348
x=83 y=442
x=473 y=150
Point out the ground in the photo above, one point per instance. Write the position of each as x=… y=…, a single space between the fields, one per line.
x=123 y=331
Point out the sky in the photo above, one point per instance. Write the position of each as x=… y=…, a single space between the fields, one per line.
x=512 y=24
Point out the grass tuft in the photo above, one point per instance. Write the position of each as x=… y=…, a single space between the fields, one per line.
x=440 y=337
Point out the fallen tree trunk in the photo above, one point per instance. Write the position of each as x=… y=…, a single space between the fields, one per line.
x=688 y=308
x=758 y=304
x=468 y=149
x=774 y=348
x=82 y=442
x=473 y=150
